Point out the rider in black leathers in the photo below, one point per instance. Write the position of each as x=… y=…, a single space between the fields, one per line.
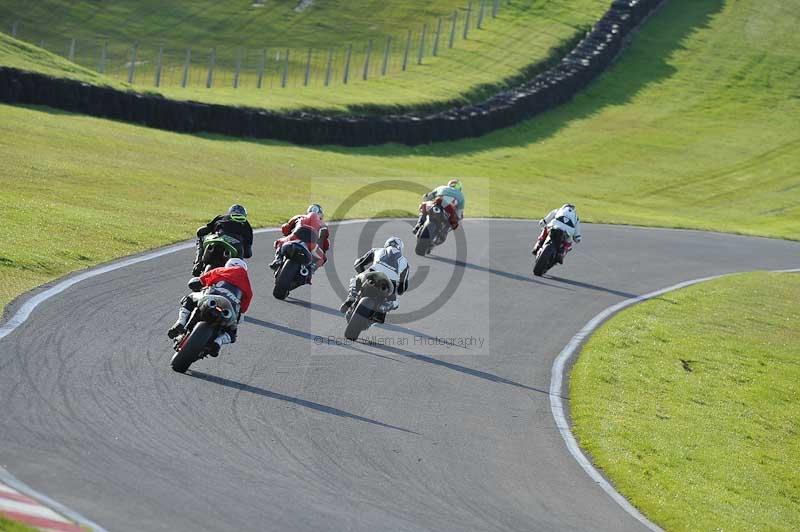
x=234 y=223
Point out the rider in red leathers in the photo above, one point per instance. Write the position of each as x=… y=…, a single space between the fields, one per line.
x=308 y=228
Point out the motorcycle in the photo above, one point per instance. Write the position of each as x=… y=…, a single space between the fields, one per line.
x=218 y=248
x=434 y=230
x=375 y=289
x=547 y=256
x=212 y=313
x=298 y=262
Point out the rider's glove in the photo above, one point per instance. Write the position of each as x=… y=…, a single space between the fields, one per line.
x=542 y=223
x=195 y=284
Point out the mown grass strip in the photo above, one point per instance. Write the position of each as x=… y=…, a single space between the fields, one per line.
x=690 y=404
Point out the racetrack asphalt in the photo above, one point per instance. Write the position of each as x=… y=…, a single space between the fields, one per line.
x=441 y=422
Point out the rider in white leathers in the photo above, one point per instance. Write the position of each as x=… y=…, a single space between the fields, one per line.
x=388 y=260
x=566 y=219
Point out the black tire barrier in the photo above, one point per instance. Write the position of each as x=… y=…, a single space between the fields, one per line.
x=557 y=85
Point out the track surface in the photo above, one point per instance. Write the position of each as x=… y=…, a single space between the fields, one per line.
x=280 y=433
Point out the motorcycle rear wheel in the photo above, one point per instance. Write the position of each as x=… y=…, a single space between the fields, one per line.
x=284 y=279
x=545 y=260
x=189 y=352
x=359 y=319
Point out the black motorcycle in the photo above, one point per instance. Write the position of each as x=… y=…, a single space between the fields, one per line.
x=433 y=231
x=547 y=256
x=218 y=248
x=375 y=289
x=213 y=313
x=298 y=263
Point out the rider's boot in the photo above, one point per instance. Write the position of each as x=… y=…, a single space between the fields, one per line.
x=179 y=327
x=213 y=347
x=419 y=224
x=276 y=263
x=347 y=304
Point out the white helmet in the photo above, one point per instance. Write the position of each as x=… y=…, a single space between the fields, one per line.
x=569 y=206
x=236 y=263
x=316 y=208
x=394 y=242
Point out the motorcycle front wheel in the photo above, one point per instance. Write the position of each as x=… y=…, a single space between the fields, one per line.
x=192 y=346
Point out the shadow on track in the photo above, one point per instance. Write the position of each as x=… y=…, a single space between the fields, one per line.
x=289 y=399
x=307 y=336
x=386 y=326
x=507 y=275
x=626 y=295
x=456 y=367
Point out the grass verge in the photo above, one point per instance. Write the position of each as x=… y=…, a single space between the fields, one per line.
x=7 y=525
x=690 y=404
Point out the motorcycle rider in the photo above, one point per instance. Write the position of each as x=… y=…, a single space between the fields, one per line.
x=232 y=282
x=311 y=220
x=451 y=197
x=234 y=223
x=566 y=219
x=388 y=260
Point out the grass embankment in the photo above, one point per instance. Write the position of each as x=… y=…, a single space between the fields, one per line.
x=690 y=403
x=696 y=127
x=524 y=33
x=7 y=525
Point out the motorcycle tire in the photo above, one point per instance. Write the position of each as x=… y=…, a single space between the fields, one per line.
x=359 y=319
x=283 y=281
x=544 y=260
x=189 y=352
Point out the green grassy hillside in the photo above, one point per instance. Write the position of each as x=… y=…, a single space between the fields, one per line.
x=696 y=126
x=524 y=33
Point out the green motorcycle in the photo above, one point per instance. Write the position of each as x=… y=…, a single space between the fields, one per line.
x=218 y=248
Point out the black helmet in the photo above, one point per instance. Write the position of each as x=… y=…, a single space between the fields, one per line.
x=238 y=213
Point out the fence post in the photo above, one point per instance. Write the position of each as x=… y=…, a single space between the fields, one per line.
x=211 y=63
x=103 y=54
x=328 y=67
x=238 y=68
x=132 y=67
x=14 y=29
x=308 y=69
x=466 y=20
x=421 y=51
x=495 y=7
x=481 y=10
x=366 y=60
x=71 y=54
x=159 y=64
x=386 y=51
x=436 y=40
x=405 y=55
x=261 y=68
x=285 y=74
x=347 y=63
x=186 y=65
x=453 y=29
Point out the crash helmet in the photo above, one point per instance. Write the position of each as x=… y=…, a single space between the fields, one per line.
x=236 y=263
x=569 y=207
x=238 y=213
x=316 y=208
x=455 y=183
x=394 y=242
